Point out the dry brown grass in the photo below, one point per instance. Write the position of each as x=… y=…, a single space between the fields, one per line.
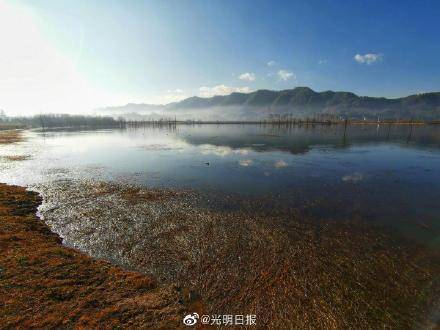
x=46 y=285
x=10 y=136
x=16 y=158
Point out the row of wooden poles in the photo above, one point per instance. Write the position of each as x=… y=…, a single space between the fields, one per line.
x=280 y=122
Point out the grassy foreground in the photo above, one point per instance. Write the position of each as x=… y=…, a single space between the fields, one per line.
x=44 y=284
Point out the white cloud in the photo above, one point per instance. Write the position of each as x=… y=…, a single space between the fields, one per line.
x=271 y=63
x=175 y=91
x=247 y=76
x=285 y=75
x=280 y=164
x=209 y=149
x=246 y=162
x=368 y=58
x=354 y=177
x=171 y=95
x=221 y=90
x=323 y=61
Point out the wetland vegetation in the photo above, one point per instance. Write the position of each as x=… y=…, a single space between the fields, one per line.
x=288 y=256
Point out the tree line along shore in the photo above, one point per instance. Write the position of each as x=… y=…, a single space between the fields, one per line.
x=82 y=121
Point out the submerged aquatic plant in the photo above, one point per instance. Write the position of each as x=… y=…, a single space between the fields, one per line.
x=282 y=265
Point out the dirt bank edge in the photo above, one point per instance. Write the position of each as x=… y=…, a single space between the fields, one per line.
x=45 y=284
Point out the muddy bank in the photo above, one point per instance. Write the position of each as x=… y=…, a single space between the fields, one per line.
x=44 y=284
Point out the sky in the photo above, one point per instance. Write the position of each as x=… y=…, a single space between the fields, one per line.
x=74 y=56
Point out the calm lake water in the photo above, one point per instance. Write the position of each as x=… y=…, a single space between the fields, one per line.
x=389 y=175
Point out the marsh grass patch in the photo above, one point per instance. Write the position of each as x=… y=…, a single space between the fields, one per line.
x=10 y=136
x=16 y=158
x=281 y=264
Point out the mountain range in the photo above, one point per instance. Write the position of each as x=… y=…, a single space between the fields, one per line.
x=299 y=102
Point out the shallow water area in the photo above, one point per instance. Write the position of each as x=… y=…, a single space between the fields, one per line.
x=386 y=174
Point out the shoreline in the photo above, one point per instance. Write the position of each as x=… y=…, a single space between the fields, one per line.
x=281 y=266
x=46 y=284
x=60 y=286
x=129 y=124
x=333 y=274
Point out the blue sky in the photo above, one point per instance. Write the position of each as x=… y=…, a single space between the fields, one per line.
x=114 y=52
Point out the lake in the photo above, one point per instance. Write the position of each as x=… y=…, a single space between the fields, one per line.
x=252 y=219
x=388 y=175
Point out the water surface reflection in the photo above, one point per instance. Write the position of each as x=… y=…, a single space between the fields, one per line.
x=386 y=174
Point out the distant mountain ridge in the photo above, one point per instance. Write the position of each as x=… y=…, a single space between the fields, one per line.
x=305 y=102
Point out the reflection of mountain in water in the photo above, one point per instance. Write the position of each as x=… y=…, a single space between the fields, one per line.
x=298 y=140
